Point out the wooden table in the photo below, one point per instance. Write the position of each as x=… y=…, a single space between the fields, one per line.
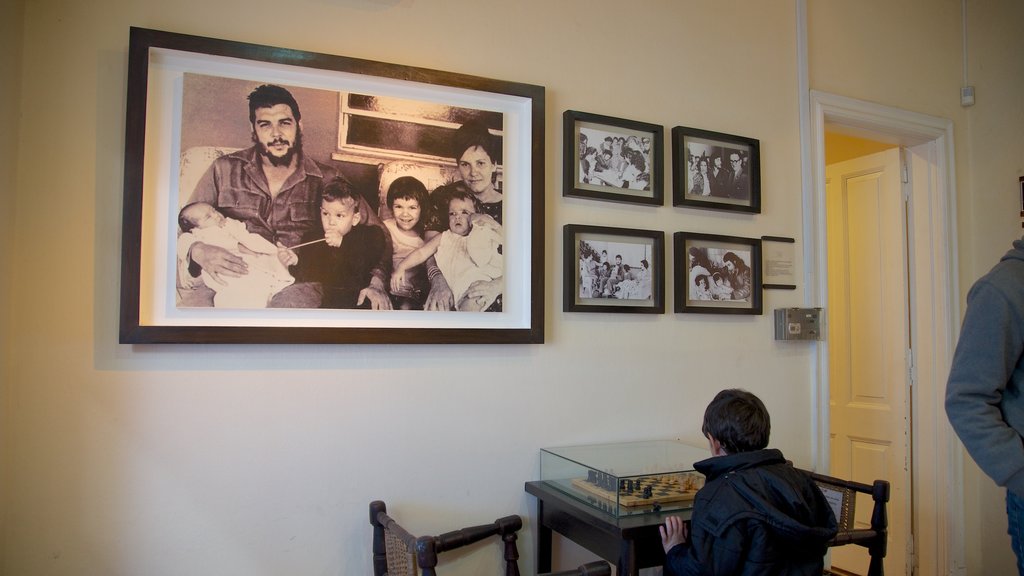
x=630 y=542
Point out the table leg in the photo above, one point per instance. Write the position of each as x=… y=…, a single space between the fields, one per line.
x=627 y=559
x=543 y=544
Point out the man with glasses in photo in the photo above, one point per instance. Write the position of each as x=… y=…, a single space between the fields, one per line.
x=738 y=184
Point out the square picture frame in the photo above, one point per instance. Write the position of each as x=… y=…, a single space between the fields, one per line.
x=715 y=171
x=628 y=278
x=364 y=114
x=716 y=274
x=612 y=159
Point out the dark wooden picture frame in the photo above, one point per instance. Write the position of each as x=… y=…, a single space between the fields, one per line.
x=717 y=274
x=633 y=264
x=612 y=159
x=161 y=63
x=715 y=171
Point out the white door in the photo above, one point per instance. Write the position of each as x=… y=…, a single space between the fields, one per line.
x=868 y=342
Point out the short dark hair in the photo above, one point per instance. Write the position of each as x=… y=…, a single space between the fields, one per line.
x=736 y=260
x=338 y=189
x=738 y=420
x=268 y=96
x=407 y=187
x=635 y=158
x=461 y=193
x=472 y=134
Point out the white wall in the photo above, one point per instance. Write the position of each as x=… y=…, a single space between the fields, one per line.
x=10 y=88
x=910 y=55
x=262 y=459
x=989 y=220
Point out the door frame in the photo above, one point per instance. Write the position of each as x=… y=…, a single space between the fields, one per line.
x=937 y=486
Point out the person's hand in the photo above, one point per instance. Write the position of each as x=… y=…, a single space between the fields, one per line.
x=483 y=292
x=286 y=256
x=673 y=533
x=397 y=281
x=333 y=238
x=218 y=262
x=379 y=299
x=440 y=297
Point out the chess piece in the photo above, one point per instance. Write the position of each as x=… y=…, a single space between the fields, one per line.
x=648 y=492
x=592 y=476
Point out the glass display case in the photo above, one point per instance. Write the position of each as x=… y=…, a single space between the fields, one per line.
x=626 y=478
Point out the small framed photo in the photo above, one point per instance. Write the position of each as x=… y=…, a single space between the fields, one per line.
x=717 y=274
x=715 y=171
x=612 y=159
x=613 y=270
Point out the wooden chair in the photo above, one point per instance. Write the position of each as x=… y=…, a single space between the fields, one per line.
x=599 y=568
x=396 y=552
x=842 y=494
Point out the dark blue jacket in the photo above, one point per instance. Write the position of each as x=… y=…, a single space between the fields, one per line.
x=755 y=515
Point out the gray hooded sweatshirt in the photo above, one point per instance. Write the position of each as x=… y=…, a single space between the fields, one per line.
x=984 y=399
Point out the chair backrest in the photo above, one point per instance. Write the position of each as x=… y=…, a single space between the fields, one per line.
x=598 y=568
x=842 y=495
x=396 y=552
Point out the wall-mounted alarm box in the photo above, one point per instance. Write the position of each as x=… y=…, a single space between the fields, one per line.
x=799 y=324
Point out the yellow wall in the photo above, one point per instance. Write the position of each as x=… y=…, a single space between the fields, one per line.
x=262 y=459
x=839 y=147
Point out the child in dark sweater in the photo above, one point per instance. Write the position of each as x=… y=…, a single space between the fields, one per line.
x=343 y=263
x=756 y=513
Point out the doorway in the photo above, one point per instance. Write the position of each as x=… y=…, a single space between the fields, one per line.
x=869 y=347
x=930 y=540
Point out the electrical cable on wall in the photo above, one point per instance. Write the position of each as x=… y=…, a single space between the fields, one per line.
x=966 y=90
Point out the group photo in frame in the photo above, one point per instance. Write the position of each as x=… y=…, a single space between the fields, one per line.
x=608 y=269
x=612 y=159
x=717 y=274
x=715 y=171
x=281 y=196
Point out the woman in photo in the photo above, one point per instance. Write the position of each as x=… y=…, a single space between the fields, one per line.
x=477 y=157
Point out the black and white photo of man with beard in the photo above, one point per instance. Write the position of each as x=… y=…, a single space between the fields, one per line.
x=274 y=188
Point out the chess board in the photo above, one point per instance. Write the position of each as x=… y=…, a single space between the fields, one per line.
x=665 y=489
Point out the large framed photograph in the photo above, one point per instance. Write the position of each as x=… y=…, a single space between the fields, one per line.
x=715 y=171
x=279 y=196
x=612 y=159
x=609 y=269
x=717 y=274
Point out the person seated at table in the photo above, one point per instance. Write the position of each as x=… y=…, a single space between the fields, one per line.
x=756 y=513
